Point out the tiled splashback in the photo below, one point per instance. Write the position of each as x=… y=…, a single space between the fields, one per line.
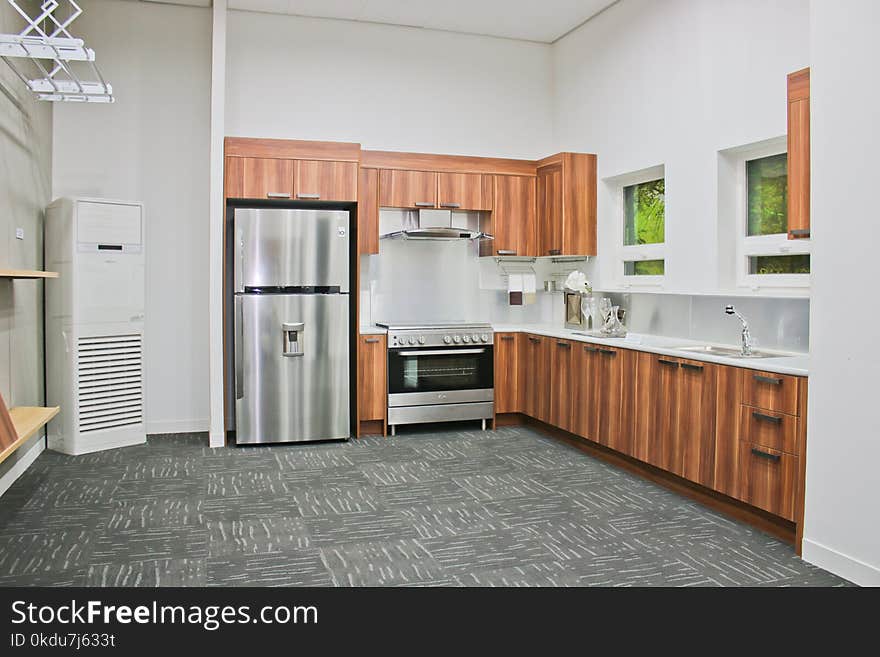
x=446 y=281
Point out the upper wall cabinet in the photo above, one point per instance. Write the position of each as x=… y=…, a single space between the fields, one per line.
x=399 y=188
x=464 y=191
x=799 y=154
x=566 y=205
x=368 y=211
x=320 y=180
x=513 y=218
x=267 y=178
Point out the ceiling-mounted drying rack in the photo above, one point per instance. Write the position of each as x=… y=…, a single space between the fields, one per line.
x=47 y=42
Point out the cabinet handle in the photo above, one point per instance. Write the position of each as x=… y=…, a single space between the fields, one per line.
x=765 y=455
x=371 y=340
x=799 y=232
x=772 y=380
x=452 y=206
x=533 y=339
x=766 y=418
x=423 y=204
x=313 y=197
x=671 y=363
x=277 y=194
x=554 y=252
x=608 y=352
x=591 y=349
x=563 y=344
x=505 y=252
x=691 y=366
x=507 y=337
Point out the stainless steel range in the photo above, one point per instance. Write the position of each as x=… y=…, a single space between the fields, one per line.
x=440 y=373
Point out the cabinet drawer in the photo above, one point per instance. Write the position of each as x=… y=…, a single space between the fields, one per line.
x=769 y=429
x=769 y=479
x=774 y=392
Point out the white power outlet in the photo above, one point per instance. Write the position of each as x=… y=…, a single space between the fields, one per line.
x=19 y=233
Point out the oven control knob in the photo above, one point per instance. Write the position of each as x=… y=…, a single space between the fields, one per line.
x=412 y=340
x=467 y=339
x=447 y=339
x=484 y=337
x=475 y=337
x=421 y=339
x=456 y=339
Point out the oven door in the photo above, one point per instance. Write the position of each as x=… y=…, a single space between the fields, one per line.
x=445 y=375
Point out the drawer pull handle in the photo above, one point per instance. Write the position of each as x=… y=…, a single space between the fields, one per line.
x=452 y=206
x=671 y=363
x=766 y=418
x=563 y=344
x=371 y=340
x=772 y=380
x=423 y=204
x=309 y=197
x=691 y=366
x=766 y=455
x=591 y=349
x=531 y=339
x=507 y=337
x=503 y=252
x=608 y=352
x=278 y=194
x=554 y=252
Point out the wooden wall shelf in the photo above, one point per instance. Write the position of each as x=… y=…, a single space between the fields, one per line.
x=27 y=420
x=27 y=273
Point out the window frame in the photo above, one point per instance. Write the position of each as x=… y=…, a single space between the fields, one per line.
x=639 y=252
x=763 y=245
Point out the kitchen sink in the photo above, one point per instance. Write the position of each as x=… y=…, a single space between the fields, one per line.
x=728 y=352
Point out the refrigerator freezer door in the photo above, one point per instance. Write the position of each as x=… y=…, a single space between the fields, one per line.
x=292 y=367
x=290 y=248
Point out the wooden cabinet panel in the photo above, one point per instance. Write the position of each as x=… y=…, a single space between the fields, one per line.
x=624 y=439
x=233 y=178
x=774 y=392
x=585 y=380
x=372 y=386
x=799 y=154
x=462 y=191
x=549 y=210
x=561 y=388
x=325 y=180
x=407 y=189
x=696 y=421
x=727 y=420
x=607 y=397
x=657 y=440
x=368 y=211
x=507 y=381
x=267 y=178
x=535 y=370
x=769 y=479
x=513 y=217
x=769 y=429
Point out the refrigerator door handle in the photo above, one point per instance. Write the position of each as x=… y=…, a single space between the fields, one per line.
x=239 y=342
x=292 y=341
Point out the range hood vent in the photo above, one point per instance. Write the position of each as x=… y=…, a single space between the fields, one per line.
x=432 y=225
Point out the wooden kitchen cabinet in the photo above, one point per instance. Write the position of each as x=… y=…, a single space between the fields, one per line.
x=799 y=154
x=727 y=433
x=372 y=373
x=507 y=378
x=598 y=401
x=535 y=376
x=407 y=189
x=513 y=217
x=770 y=391
x=368 y=211
x=566 y=205
x=233 y=177
x=697 y=383
x=562 y=392
x=657 y=398
x=464 y=191
x=267 y=178
x=769 y=479
x=324 y=180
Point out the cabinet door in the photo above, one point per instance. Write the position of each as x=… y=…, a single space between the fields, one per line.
x=407 y=189
x=656 y=418
x=233 y=178
x=561 y=389
x=624 y=439
x=799 y=154
x=368 y=211
x=506 y=373
x=727 y=422
x=549 y=210
x=372 y=388
x=323 y=180
x=608 y=396
x=768 y=479
x=585 y=382
x=267 y=178
x=536 y=377
x=513 y=216
x=696 y=421
x=463 y=191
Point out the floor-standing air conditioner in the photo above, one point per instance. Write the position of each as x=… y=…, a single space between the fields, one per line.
x=95 y=324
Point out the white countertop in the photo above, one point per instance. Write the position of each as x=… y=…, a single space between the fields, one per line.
x=793 y=364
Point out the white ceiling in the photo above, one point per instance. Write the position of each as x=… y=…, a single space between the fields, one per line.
x=532 y=20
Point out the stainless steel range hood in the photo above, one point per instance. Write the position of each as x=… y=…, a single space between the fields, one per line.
x=431 y=225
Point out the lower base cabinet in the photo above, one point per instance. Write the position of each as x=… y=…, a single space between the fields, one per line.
x=372 y=395
x=768 y=479
x=535 y=377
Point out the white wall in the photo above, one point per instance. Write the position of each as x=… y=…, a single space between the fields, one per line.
x=648 y=83
x=843 y=497
x=152 y=145
x=386 y=87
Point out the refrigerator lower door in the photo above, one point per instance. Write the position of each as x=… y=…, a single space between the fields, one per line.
x=291 y=368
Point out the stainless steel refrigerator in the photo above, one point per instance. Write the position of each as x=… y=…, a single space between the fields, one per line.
x=291 y=282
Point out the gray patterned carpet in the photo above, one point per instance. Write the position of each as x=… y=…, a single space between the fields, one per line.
x=459 y=507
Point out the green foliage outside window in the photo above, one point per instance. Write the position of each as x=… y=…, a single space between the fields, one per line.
x=783 y=264
x=767 y=181
x=644 y=267
x=645 y=213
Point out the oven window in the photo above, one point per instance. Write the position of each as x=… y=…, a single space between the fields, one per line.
x=410 y=372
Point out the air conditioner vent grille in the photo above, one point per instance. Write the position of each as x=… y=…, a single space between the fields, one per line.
x=110 y=382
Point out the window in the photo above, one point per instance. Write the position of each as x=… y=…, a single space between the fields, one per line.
x=644 y=230
x=767 y=257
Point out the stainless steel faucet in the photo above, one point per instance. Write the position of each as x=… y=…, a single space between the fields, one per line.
x=746 y=334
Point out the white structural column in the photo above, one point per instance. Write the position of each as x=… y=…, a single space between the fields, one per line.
x=215 y=227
